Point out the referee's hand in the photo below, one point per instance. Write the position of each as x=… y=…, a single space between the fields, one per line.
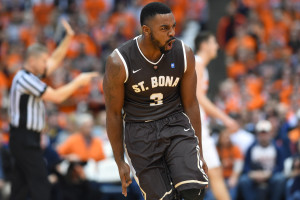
x=124 y=172
x=67 y=27
x=85 y=78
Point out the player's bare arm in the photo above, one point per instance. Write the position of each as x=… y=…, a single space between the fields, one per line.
x=113 y=85
x=208 y=106
x=60 y=52
x=189 y=98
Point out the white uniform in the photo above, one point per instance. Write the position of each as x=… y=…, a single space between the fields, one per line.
x=208 y=145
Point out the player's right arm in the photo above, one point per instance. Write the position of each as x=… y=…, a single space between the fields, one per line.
x=208 y=106
x=113 y=85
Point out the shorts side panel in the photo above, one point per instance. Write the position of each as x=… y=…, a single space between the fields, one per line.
x=145 y=153
x=183 y=157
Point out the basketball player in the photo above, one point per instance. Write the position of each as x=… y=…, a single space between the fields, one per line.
x=206 y=50
x=153 y=79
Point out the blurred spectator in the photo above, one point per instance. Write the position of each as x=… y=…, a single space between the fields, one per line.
x=262 y=177
x=123 y=22
x=42 y=10
x=232 y=162
x=294 y=134
x=292 y=171
x=228 y=24
x=82 y=146
x=242 y=139
x=6 y=168
x=78 y=149
x=93 y=9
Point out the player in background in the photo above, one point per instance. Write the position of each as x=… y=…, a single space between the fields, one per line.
x=206 y=49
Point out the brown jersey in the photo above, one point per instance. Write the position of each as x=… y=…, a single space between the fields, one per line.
x=152 y=90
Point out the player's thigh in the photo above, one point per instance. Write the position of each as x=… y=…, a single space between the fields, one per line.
x=145 y=155
x=184 y=163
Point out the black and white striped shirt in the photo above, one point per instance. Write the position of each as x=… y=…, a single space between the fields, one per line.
x=26 y=107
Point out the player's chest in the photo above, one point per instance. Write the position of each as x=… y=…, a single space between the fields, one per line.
x=148 y=79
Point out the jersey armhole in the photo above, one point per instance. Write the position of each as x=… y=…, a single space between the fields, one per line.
x=124 y=63
x=184 y=56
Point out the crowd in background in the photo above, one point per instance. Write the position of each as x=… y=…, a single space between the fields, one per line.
x=261 y=41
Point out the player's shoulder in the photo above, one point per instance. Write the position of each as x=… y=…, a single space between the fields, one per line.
x=121 y=51
x=127 y=45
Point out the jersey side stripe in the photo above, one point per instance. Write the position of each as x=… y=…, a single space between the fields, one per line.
x=125 y=64
x=184 y=56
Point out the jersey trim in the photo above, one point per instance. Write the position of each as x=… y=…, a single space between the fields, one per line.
x=137 y=44
x=167 y=193
x=184 y=56
x=125 y=64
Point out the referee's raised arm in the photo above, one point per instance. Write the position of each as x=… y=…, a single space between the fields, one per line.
x=60 y=52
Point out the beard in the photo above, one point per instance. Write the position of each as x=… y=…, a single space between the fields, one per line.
x=162 y=48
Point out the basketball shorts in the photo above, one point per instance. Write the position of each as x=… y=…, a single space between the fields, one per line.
x=164 y=156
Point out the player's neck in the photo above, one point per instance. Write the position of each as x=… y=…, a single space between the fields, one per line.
x=205 y=58
x=152 y=53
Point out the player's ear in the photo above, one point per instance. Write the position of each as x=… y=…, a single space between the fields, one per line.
x=146 y=30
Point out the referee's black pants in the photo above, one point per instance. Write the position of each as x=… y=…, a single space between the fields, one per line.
x=30 y=172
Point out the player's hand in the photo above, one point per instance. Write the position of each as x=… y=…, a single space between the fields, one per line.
x=85 y=78
x=68 y=28
x=124 y=172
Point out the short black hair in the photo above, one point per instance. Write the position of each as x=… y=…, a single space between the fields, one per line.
x=202 y=36
x=151 y=9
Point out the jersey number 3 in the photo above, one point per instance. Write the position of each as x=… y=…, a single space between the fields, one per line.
x=157 y=98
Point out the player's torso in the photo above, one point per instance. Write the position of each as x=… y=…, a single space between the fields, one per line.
x=152 y=89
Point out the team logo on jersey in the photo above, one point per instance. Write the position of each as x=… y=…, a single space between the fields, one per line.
x=172 y=65
x=161 y=81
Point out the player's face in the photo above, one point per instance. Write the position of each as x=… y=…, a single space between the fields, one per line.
x=162 y=31
x=212 y=46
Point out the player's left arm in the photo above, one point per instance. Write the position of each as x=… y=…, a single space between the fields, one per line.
x=60 y=52
x=189 y=99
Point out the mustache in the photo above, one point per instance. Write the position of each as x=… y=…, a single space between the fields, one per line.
x=169 y=40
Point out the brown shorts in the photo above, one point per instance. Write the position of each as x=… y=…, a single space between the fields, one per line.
x=164 y=155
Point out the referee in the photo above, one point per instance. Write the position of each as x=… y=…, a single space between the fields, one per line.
x=27 y=116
